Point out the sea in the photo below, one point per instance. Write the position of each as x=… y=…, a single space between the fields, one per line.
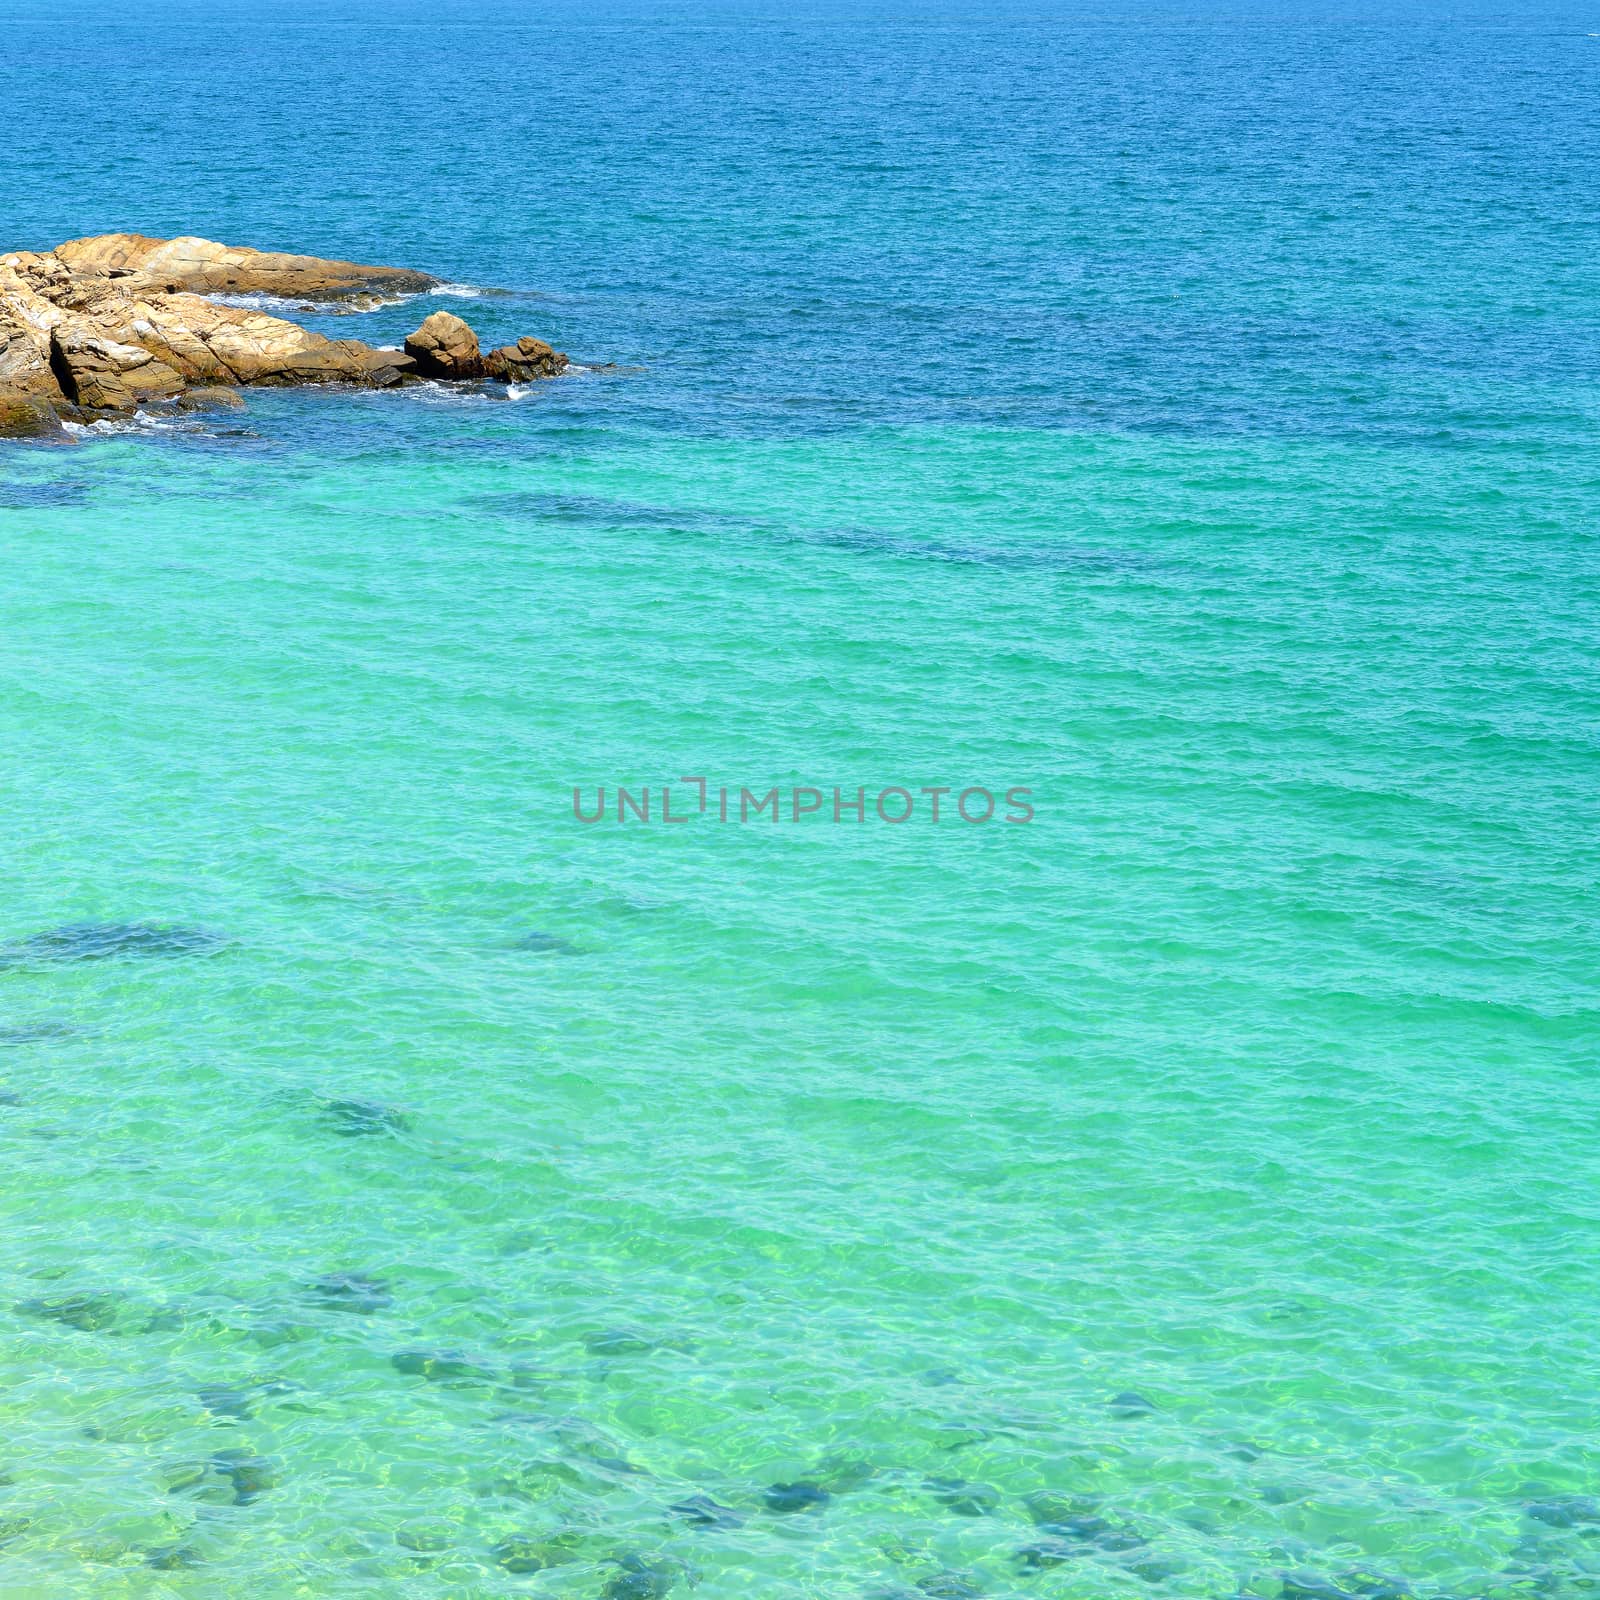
x=427 y=1171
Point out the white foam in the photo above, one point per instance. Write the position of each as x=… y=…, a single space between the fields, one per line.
x=141 y=423
x=284 y=305
x=458 y=291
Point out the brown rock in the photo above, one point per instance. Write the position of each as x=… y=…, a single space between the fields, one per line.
x=203 y=266
x=523 y=361
x=445 y=347
x=25 y=416
x=26 y=319
x=104 y=325
x=212 y=399
x=104 y=374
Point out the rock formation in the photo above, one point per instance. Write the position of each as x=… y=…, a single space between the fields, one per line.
x=445 y=347
x=525 y=360
x=201 y=267
x=99 y=327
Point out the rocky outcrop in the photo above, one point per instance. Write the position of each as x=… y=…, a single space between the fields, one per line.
x=23 y=416
x=203 y=267
x=445 y=347
x=523 y=361
x=99 y=327
x=101 y=374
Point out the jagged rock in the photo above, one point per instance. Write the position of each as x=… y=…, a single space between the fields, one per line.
x=523 y=361
x=445 y=347
x=25 y=416
x=103 y=325
x=201 y=265
x=223 y=345
x=105 y=375
x=212 y=399
x=26 y=319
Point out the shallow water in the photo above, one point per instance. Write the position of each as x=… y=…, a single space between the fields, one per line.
x=1185 y=412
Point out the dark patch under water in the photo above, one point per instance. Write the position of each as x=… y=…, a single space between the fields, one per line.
x=103 y=941
x=963 y=1498
x=35 y=1032
x=790 y=1497
x=88 y=1312
x=704 y=1512
x=640 y=1579
x=355 y=1119
x=597 y=511
x=542 y=943
x=524 y=1554
x=949 y=1586
x=350 y=1291
x=618 y=1342
x=442 y=1366
x=28 y=496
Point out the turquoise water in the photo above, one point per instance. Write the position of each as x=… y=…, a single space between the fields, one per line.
x=1187 y=413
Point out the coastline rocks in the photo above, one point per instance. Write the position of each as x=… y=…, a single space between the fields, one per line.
x=101 y=326
x=524 y=361
x=102 y=374
x=205 y=267
x=212 y=399
x=23 y=416
x=445 y=347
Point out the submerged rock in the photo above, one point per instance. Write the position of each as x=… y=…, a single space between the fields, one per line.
x=963 y=1498
x=790 y=1497
x=101 y=941
x=949 y=1586
x=250 y=1475
x=351 y=1291
x=642 y=1580
x=1045 y=1506
x=541 y=943
x=618 y=1342
x=212 y=399
x=1311 y=1586
x=1128 y=1404
x=441 y=1366
x=1070 y=1538
x=1046 y=1553
x=174 y=1558
x=427 y=1537
x=519 y=1554
x=89 y=1313
x=35 y=1032
x=1565 y=1511
x=355 y=1119
x=222 y=1401
x=445 y=347
x=704 y=1512
x=1372 y=1585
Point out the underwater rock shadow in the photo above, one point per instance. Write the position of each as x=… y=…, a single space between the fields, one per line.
x=42 y=1032
x=105 y=941
x=598 y=511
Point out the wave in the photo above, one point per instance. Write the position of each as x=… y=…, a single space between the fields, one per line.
x=282 y=305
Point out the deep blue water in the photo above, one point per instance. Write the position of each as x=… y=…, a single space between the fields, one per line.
x=1344 y=220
